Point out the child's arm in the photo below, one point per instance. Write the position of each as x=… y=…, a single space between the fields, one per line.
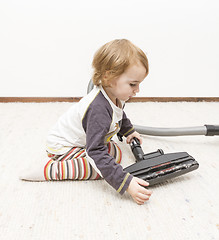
x=96 y=123
x=139 y=193
x=126 y=126
x=135 y=188
x=127 y=130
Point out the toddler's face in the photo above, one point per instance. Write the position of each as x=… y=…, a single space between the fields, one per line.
x=127 y=84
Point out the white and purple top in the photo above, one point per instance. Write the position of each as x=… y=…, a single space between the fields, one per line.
x=90 y=124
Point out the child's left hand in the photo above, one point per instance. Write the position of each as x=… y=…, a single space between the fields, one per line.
x=131 y=136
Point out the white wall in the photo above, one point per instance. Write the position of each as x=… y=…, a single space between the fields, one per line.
x=46 y=46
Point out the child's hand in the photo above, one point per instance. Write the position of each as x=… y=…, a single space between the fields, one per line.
x=131 y=136
x=139 y=193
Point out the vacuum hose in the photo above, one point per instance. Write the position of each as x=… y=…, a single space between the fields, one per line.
x=207 y=130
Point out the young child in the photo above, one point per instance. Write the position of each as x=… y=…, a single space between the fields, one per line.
x=79 y=145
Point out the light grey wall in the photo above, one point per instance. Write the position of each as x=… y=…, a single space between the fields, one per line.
x=46 y=46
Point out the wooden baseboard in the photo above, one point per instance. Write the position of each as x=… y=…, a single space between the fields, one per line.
x=134 y=99
x=39 y=99
x=174 y=99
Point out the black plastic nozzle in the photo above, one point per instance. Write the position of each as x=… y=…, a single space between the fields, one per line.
x=139 y=154
x=212 y=130
x=136 y=149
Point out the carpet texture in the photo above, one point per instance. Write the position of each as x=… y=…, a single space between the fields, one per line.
x=186 y=207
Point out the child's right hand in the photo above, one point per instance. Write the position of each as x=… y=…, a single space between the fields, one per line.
x=139 y=193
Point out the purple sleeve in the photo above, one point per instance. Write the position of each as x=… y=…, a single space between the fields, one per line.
x=126 y=127
x=96 y=124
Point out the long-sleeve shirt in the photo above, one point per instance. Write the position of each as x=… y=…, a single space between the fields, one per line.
x=90 y=124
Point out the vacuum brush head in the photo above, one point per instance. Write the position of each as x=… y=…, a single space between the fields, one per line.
x=158 y=167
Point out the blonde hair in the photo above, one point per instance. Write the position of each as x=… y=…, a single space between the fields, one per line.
x=113 y=58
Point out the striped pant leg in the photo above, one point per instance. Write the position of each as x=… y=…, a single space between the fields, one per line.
x=71 y=166
x=74 y=165
x=115 y=151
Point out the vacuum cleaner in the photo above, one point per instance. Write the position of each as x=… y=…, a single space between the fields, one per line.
x=157 y=167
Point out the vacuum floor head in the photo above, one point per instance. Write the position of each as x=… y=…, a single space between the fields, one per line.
x=157 y=167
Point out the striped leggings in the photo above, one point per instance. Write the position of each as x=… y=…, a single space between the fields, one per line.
x=74 y=164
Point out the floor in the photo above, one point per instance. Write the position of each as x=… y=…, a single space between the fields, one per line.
x=186 y=207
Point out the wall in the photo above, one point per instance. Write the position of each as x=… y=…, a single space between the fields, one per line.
x=46 y=46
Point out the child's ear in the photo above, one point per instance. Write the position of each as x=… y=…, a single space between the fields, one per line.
x=106 y=75
x=106 y=78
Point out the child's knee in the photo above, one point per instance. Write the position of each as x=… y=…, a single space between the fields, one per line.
x=115 y=151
